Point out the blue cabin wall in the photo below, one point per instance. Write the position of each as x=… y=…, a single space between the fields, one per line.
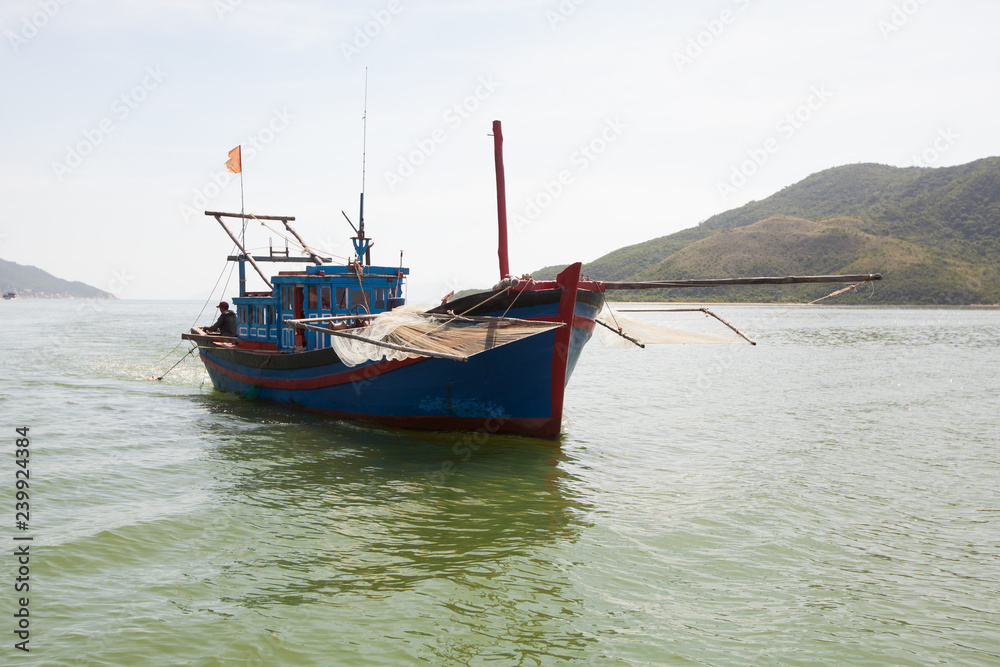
x=319 y=291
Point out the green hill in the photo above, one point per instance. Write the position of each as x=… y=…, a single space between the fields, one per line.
x=933 y=233
x=32 y=282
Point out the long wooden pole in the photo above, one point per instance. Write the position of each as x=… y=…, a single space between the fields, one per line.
x=218 y=216
x=716 y=282
x=379 y=343
x=250 y=216
x=501 y=200
x=316 y=258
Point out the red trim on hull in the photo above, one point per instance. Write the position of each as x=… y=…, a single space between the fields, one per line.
x=569 y=279
x=257 y=345
x=579 y=321
x=540 y=285
x=355 y=375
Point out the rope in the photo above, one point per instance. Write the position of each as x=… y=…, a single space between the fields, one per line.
x=178 y=362
x=612 y=311
x=454 y=317
x=803 y=305
x=291 y=241
x=361 y=284
x=205 y=305
x=513 y=301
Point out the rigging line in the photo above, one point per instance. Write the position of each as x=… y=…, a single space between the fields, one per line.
x=484 y=301
x=295 y=242
x=444 y=323
x=803 y=305
x=232 y=267
x=454 y=317
x=178 y=362
x=512 y=302
x=364 y=135
x=361 y=284
x=612 y=311
x=204 y=305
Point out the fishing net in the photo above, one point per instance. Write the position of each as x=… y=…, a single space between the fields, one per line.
x=460 y=337
x=664 y=327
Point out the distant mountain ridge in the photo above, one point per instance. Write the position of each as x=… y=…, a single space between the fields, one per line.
x=933 y=233
x=32 y=282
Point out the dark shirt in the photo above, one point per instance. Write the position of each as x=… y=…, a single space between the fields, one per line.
x=225 y=325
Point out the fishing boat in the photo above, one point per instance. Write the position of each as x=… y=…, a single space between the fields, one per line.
x=9 y=295
x=340 y=339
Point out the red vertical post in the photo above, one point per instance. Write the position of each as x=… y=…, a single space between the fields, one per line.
x=501 y=200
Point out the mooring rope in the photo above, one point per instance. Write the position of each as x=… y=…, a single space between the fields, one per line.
x=204 y=305
x=178 y=363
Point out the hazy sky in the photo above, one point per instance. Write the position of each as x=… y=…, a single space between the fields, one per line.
x=623 y=121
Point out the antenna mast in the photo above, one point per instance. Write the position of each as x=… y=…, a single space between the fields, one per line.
x=362 y=246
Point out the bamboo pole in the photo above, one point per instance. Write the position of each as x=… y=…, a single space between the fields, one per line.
x=316 y=258
x=250 y=216
x=218 y=216
x=372 y=341
x=716 y=282
x=620 y=332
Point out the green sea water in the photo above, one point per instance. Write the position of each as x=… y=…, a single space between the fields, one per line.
x=828 y=497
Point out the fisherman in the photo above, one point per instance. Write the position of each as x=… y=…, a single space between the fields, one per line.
x=226 y=324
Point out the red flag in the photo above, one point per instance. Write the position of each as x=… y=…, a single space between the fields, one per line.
x=234 y=163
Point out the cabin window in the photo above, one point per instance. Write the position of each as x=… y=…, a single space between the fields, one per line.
x=379 y=300
x=243 y=315
x=286 y=298
x=359 y=298
x=324 y=297
x=313 y=301
x=342 y=298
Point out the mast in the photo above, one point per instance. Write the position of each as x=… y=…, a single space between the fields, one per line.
x=361 y=244
x=501 y=200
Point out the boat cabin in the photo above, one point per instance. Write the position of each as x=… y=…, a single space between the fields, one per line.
x=322 y=290
x=318 y=291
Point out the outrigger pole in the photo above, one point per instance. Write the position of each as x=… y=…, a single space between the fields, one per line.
x=716 y=282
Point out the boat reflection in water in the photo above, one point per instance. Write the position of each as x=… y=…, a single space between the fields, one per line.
x=330 y=516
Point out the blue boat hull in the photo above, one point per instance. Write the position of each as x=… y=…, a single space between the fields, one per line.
x=514 y=388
